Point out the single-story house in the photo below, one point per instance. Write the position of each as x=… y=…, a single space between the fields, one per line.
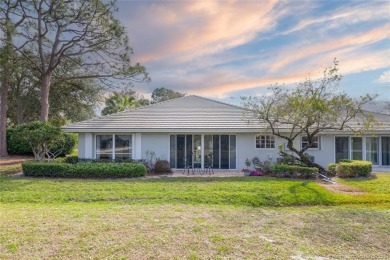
x=192 y=129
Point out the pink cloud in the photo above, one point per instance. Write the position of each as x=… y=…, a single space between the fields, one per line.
x=185 y=30
x=295 y=53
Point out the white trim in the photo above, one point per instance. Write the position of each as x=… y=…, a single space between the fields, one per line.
x=318 y=148
x=264 y=149
x=137 y=146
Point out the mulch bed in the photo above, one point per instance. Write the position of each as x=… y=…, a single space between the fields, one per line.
x=15 y=159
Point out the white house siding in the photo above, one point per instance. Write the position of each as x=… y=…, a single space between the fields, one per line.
x=157 y=142
x=326 y=153
x=246 y=148
x=81 y=145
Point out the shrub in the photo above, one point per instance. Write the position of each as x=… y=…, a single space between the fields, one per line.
x=68 y=145
x=162 y=166
x=256 y=173
x=76 y=159
x=20 y=137
x=332 y=168
x=353 y=168
x=15 y=142
x=293 y=171
x=83 y=170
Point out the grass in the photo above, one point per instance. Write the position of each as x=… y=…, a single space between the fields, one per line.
x=192 y=218
x=235 y=191
x=10 y=169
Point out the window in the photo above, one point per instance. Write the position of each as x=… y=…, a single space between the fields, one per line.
x=265 y=141
x=316 y=142
x=357 y=148
x=342 y=148
x=123 y=147
x=104 y=147
x=111 y=147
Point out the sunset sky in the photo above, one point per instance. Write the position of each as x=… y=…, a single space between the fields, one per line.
x=227 y=49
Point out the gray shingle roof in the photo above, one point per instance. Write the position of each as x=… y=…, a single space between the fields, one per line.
x=186 y=113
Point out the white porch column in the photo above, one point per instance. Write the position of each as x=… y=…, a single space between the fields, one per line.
x=89 y=149
x=202 y=150
x=137 y=154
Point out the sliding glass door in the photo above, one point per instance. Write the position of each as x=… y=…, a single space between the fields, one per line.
x=372 y=150
x=187 y=150
x=385 y=151
x=342 y=148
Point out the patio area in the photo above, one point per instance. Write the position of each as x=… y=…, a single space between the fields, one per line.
x=217 y=173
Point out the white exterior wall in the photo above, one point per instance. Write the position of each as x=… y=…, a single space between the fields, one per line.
x=85 y=146
x=246 y=148
x=81 y=145
x=157 y=142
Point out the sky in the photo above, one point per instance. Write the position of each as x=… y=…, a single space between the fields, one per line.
x=227 y=49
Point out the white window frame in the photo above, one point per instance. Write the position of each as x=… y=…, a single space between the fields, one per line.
x=113 y=144
x=271 y=138
x=318 y=142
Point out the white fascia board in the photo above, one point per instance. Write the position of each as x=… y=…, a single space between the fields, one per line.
x=159 y=130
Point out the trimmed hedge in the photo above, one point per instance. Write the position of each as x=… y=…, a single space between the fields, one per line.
x=332 y=168
x=83 y=170
x=76 y=159
x=294 y=171
x=353 y=168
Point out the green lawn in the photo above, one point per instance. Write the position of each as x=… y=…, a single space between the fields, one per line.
x=192 y=218
x=10 y=169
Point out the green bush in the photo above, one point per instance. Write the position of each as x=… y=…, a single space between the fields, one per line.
x=162 y=166
x=15 y=143
x=332 y=168
x=83 y=170
x=18 y=144
x=69 y=145
x=293 y=171
x=76 y=159
x=353 y=168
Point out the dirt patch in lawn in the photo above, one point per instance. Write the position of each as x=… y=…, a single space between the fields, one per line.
x=14 y=160
x=342 y=188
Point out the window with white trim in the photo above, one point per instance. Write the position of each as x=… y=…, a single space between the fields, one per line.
x=265 y=141
x=111 y=147
x=316 y=142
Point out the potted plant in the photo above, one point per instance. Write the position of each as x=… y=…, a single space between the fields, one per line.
x=247 y=164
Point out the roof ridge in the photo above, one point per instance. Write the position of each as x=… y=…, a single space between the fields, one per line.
x=220 y=102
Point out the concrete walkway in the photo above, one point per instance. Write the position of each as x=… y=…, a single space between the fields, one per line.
x=381 y=169
x=217 y=173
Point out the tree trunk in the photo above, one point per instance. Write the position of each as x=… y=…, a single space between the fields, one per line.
x=3 y=114
x=45 y=90
x=6 y=64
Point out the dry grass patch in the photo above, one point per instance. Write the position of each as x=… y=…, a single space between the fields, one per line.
x=342 y=188
x=75 y=231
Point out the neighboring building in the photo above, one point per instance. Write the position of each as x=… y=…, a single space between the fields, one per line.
x=190 y=128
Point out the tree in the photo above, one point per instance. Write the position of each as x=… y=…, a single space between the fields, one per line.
x=10 y=20
x=164 y=94
x=118 y=102
x=43 y=138
x=84 y=34
x=24 y=96
x=313 y=107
